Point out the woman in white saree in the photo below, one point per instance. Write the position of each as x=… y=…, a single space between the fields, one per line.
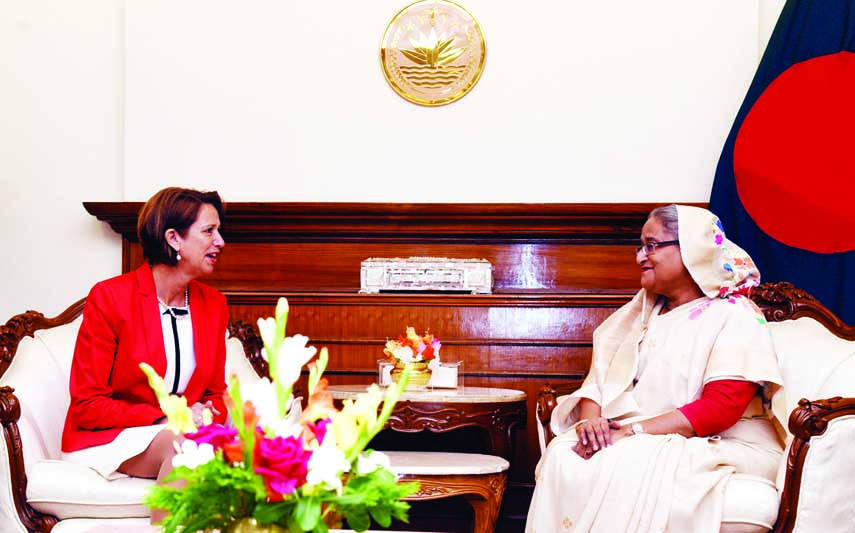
x=676 y=400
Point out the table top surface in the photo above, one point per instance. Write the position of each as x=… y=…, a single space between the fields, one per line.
x=458 y=395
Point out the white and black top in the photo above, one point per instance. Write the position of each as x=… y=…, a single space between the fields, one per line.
x=177 y=328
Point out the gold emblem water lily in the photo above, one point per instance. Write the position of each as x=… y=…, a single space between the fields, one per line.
x=433 y=52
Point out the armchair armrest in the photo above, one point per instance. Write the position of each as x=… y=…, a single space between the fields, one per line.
x=809 y=419
x=252 y=343
x=547 y=400
x=12 y=471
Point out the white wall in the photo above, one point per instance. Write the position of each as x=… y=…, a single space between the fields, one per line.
x=61 y=93
x=276 y=100
x=579 y=102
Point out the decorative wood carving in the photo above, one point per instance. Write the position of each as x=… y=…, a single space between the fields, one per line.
x=547 y=401
x=25 y=324
x=10 y=413
x=483 y=492
x=498 y=419
x=252 y=345
x=782 y=301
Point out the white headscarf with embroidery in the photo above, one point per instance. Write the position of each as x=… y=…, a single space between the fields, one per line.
x=718 y=266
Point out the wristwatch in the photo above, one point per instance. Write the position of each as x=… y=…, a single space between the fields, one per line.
x=637 y=428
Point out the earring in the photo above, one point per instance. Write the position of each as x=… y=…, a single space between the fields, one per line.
x=177 y=255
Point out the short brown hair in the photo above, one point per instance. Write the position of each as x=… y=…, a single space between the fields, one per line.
x=174 y=208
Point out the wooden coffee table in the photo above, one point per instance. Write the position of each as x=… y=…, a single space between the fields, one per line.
x=497 y=411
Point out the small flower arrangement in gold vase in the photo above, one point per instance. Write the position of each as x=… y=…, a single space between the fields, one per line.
x=280 y=467
x=421 y=352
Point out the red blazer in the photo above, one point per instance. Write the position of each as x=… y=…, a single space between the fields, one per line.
x=122 y=328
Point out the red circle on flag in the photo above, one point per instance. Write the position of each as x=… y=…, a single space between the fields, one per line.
x=794 y=156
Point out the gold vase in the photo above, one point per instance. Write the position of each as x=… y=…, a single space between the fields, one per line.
x=419 y=375
x=250 y=525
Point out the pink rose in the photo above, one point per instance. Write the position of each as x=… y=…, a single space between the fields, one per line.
x=283 y=463
x=217 y=435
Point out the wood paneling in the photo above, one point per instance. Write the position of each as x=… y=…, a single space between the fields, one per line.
x=559 y=270
x=328 y=267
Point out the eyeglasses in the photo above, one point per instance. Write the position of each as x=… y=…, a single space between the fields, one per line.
x=651 y=246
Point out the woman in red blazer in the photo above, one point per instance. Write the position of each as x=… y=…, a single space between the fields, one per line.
x=158 y=314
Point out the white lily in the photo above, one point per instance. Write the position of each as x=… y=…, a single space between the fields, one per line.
x=326 y=465
x=369 y=462
x=286 y=355
x=293 y=356
x=405 y=354
x=192 y=455
x=262 y=395
x=267 y=330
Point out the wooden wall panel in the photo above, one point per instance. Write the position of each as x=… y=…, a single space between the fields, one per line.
x=500 y=344
x=548 y=267
x=559 y=270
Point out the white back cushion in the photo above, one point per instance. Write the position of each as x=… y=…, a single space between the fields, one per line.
x=815 y=364
x=238 y=364
x=39 y=374
x=825 y=498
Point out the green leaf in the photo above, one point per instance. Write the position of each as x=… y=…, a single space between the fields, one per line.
x=272 y=512
x=382 y=515
x=308 y=512
x=317 y=370
x=358 y=519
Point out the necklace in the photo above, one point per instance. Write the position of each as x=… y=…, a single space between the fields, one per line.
x=171 y=310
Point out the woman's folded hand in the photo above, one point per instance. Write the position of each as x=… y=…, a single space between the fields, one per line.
x=594 y=432
x=585 y=452
x=199 y=408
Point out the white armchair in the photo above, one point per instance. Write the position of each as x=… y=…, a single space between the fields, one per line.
x=39 y=491
x=813 y=493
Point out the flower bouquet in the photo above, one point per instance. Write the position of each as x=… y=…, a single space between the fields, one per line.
x=421 y=351
x=280 y=466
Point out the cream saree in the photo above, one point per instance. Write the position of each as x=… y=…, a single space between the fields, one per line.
x=653 y=364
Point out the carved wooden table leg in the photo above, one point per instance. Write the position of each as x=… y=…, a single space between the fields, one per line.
x=487 y=509
x=483 y=492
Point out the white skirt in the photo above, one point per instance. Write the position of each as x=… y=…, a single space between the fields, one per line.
x=106 y=458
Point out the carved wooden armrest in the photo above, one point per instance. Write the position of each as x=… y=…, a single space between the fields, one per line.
x=252 y=343
x=807 y=420
x=10 y=413
x=547 y=400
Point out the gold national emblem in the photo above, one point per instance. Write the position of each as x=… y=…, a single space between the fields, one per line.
x=433 y=52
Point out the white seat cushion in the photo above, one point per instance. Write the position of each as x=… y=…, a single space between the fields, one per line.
x=750 y=504
x=68 y=490
x=105 y=525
